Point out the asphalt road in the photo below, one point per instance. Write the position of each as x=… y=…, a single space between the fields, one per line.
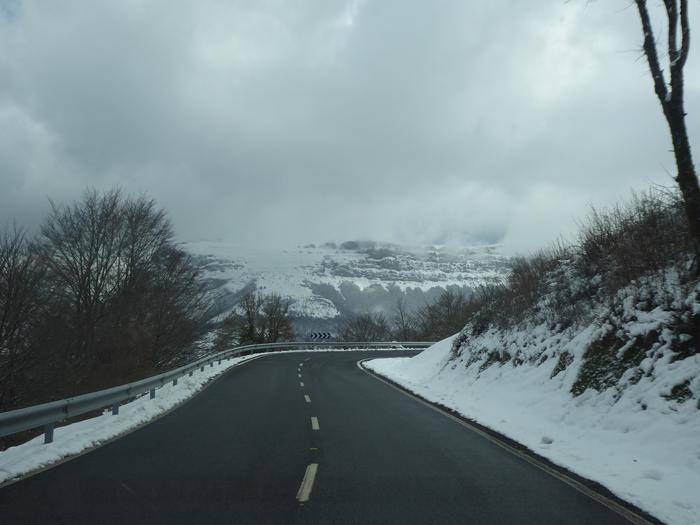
x=238 y=452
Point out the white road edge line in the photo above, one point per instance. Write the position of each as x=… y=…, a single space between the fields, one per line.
x=301 y=384
x=307 y=483
x=299 y=376
x=314 y=423
x=613 y=505
x=307 y=398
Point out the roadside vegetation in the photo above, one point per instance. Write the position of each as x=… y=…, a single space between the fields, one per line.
x=100 y=296
x=639 y=241
x=614 y=248
x=621 y=298
x=259 y=318
x=432 y=322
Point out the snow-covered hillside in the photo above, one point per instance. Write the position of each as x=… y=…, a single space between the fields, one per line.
x=326 y=281
x=613 y=396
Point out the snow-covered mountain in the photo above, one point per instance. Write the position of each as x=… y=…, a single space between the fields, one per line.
x=330 y=280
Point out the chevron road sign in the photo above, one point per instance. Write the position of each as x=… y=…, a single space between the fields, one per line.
x=320 y=335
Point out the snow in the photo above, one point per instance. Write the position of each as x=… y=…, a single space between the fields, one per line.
x=641 y=446
x=292 y=272
x=70 y=440
x=75 y=438
x=353 y=349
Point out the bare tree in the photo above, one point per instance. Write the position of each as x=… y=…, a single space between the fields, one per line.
x=226 y=334
x=404 y=322
x=444 y=317
x=365 y=327
x=21 y=271
x=101 y=297
x=277 y=325
x=172 y=309
x=83 y=245
x=146 y=231
x=264 y=319
x=670 y=94
x=250 y=323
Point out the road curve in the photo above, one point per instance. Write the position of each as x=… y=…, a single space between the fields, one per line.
x=299 y=438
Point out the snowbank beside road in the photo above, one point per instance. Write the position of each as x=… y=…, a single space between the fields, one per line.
x=75 y=438
x=642 y=447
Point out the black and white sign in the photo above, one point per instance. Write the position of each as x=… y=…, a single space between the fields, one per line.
x=321 y=335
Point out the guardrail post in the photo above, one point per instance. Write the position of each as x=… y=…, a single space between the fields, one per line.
x=152 y=393
x=191 y=372
x=211 y=364
x=219 y=361
x=48 y=433
x=202 y=369
x=175 y=381
x=115 y=409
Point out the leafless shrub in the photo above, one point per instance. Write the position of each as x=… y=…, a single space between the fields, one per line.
x=365 y=327
x=261 y=318
x=528 y=278
x=629 y=240
x=615 y=247
x=444 y=317
x=276 y=322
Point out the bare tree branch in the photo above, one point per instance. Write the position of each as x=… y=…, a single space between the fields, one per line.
x=651 y=54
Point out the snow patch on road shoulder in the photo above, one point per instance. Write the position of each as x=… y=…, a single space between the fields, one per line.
x=649 y=457
x=73 y=439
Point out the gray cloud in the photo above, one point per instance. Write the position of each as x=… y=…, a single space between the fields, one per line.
x=275 y=122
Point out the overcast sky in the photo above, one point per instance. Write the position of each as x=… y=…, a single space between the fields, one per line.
x=310 y=120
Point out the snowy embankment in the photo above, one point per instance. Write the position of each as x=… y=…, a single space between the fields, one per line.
x=75 y=438
x=631 y=424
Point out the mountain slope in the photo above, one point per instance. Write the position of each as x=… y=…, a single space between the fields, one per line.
x=329 y=281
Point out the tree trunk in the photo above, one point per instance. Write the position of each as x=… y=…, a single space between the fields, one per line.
x=686 y=178
x=671 y=99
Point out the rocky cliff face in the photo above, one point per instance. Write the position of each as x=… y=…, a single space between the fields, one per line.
x=328 y=281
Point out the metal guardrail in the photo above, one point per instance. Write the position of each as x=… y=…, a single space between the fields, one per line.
x=48 y=414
